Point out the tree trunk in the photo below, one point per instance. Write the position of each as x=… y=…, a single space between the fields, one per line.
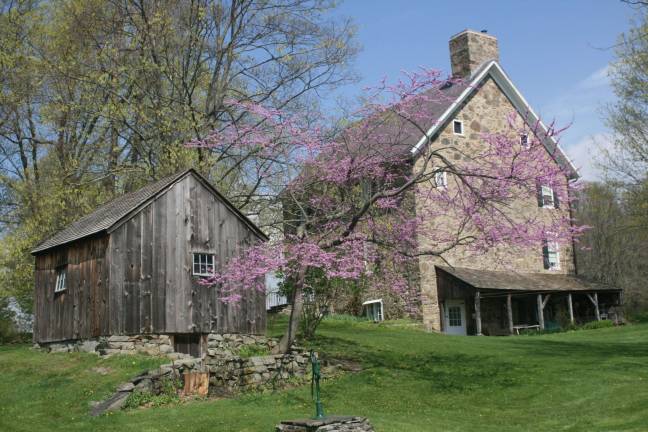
x=295 y=315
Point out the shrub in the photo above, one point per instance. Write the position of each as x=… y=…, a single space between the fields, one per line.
x=168 y=394
x=253 y=351
x=597 y=325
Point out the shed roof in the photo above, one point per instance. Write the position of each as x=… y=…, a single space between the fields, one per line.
x=512 y=281
x=111 y=213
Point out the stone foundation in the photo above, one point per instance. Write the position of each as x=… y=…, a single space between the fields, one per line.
x=327 y=424
x=119 y=344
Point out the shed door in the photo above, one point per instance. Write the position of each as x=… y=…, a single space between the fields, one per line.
x=455 y=317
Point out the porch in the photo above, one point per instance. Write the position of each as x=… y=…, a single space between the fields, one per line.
x=484 y=302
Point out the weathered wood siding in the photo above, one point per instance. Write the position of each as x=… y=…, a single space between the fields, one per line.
x=80 y=311
x=152 y=289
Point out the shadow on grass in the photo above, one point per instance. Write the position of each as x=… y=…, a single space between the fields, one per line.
x=455 y=372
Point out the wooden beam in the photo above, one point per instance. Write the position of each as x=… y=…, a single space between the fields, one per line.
x=540 y=312
x=544 y=303
x=509 y=312
x=571 y=308
x=478 y=323
x=594 y=300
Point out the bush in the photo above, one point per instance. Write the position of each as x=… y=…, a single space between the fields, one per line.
x=167 y=395
x=597 y=325
x=638 y=317
x=253 y=351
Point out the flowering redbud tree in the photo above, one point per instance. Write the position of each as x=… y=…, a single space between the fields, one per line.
x=353 y=200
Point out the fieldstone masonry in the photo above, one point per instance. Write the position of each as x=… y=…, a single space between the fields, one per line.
x=327 y=424
x=229 y=372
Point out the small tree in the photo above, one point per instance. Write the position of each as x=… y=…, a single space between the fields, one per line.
x=356 y=201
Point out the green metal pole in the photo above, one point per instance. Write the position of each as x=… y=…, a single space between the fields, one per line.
x=315 y=386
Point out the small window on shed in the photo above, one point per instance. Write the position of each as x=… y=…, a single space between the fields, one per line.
x=61 y=274
x=457 y=127
x=524 y=141
x=203 y=264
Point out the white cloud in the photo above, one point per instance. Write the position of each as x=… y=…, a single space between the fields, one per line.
x=587 y=151
x=600 y=78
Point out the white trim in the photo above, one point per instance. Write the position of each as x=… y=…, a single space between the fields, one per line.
x=551 y=192
x=372 y=301
x=200 y=263
x=521 y=105
x=381 y=313
x=61 y=279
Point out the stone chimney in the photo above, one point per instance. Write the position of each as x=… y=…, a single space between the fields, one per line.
x=469 y=50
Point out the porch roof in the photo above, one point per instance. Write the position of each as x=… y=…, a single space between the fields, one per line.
x=512 y=281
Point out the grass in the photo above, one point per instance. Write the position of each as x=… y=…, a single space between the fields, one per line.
x=587 y=380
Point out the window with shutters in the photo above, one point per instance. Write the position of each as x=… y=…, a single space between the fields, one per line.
x=551 y=256
x=547 y=197
x=61 y=276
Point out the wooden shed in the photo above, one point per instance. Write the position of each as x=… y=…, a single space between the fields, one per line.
x=133 y=267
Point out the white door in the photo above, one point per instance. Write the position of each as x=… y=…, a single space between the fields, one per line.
x=455 y=317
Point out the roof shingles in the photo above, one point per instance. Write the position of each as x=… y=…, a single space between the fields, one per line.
x=107 y=214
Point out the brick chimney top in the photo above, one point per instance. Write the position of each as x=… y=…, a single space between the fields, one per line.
x=469 y=50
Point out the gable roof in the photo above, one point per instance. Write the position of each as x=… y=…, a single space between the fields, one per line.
x=110 y=214
x=531 y=282
x=444 y=110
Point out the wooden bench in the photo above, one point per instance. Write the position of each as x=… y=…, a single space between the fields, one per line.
x=519 y=327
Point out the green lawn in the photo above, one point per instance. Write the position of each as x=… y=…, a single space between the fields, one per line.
x=593 y=380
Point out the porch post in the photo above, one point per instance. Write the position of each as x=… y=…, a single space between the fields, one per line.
x=540 y=313
x=509 y=311
x=596 y=307
x=478 y=323
x=571 y=308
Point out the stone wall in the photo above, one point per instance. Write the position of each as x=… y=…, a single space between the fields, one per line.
x=486 y=111
x=236 y=374
x=118 y=344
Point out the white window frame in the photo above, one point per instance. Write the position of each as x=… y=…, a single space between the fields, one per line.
x=552 y=248
x=461 y=126
x=371 y=304
x=61 y=277
x=549 y=189
x=196 y=265
x=525 y=137
x=441 y=180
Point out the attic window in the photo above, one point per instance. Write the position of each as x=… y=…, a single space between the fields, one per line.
x=203 y=264
x=524 y=141
x=457 y=127
x=61 y=274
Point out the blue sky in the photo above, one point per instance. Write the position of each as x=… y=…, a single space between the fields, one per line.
x=556 y=52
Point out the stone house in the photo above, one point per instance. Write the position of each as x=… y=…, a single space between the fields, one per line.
x=129 y=271
x=498 y=292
